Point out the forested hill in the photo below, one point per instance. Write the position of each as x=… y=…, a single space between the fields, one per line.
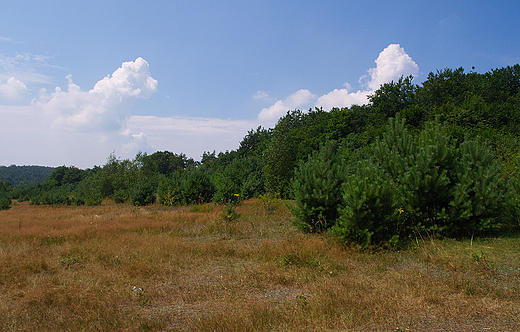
x=437 y=159
x=26 y=174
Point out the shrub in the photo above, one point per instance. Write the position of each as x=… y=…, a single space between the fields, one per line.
x=480 y=195
x=169 y=190
x=143 y=192
x=244 y=176
x=5 y=203
x=120 y=195
x=197 y=188
x=422 y=167
x=369 y=215
x=317 y=189
x=423 y=184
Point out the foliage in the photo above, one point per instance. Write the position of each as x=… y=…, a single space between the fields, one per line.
x=143 y=192
x=164 y=163
x=197 y=187
x=423 y=184
x=280 y=156
x=65 y=175
x=244 y=176
x=368 y=215
x=25 y=174
x=255 y=142
x=317 y=189
x=169 y=190
x=393 y=97
x=480 y=195
x=5 y=195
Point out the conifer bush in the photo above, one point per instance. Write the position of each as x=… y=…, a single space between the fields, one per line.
x=422 y=168
x=371 y=205
x=143 y=192
x=197 y=187
x=423 y=184
x=5 y=203
x=317 y=189
x=480 y=195
x=169 y=190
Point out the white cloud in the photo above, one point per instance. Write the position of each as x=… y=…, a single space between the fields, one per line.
x=191 y=136
x=139 y=142
x=261 y=94
x=392 y=63
x=82 y=128
x=13 y=89
x=105 y=108
x=25 y=68
x=342 y=98
x=296 y=100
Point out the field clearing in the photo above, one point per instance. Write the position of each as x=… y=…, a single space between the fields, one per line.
x=117 y=267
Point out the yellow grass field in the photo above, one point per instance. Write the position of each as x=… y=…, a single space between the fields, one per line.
x=154 y=268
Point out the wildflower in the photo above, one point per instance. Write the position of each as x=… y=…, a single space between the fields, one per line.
x=400 y=210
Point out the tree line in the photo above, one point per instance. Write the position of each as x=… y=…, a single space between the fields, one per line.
x=435 y=158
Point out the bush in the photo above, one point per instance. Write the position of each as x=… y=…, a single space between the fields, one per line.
x=317 y=189
x=422 y=168
x=425 y=185
x=5 y=203
x=197 y=188
x=143 y=192
x=169 y=190
x=244 y=176
x=370 y=212
x=88 y=192
x=480 y=195
x=120 y=195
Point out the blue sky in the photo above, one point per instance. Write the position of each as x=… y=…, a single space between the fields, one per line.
x=82 y=79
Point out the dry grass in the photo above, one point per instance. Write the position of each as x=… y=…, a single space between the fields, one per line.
x=121 y=268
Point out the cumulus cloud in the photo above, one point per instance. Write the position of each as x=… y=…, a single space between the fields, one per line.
x=13 y=89
x=342 y=98
x=392 y=63
x=296 y=100
x=105 y=108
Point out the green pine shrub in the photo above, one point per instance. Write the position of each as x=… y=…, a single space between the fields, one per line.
x=370 y=214
x=423 y=185
x=197 y=187
x=480 y=195
x=5 y=203
x=143 y=192
x=317 y=189
x=169 y=190
x=422 y=167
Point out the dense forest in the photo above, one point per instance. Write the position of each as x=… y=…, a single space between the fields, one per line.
x=26 y=174
x=435 y=159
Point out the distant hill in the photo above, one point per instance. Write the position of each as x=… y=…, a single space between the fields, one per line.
x=26 y=174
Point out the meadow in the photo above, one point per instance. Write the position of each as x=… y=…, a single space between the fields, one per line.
x=117 y=267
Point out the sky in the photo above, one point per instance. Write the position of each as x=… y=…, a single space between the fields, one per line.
x=80 y=80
